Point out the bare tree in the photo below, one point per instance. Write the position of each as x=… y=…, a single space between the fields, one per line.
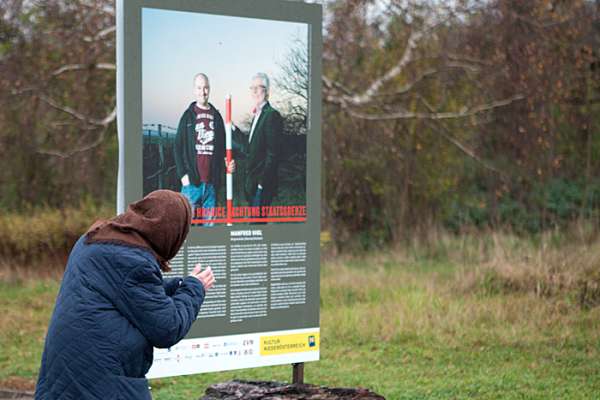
x=57 y=95
x=65 y=81
x=429 y=103
x=293 y=82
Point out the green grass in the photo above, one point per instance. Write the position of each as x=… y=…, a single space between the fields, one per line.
x=400 y=327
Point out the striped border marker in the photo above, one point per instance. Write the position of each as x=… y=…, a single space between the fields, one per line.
x=229 y=157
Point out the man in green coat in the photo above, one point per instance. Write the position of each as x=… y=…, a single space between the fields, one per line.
x=264 y=140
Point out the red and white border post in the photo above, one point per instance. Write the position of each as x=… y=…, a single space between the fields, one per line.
x=229 y=158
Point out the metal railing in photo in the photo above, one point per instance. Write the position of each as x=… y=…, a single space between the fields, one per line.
x=159 y=162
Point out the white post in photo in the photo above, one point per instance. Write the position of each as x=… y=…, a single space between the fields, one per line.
x=229 y=159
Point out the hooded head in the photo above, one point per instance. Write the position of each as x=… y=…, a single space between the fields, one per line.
x=159 y=222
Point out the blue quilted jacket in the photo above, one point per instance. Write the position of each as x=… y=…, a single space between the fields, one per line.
x=112 y=308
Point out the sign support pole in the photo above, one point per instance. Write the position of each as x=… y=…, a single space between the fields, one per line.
x=298 y=373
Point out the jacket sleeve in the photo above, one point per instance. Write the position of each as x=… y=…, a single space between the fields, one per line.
x=180 y=148
x=171 y=285
x=163 y=320
x=220 y=139
x=274 y=128
x=219 y=151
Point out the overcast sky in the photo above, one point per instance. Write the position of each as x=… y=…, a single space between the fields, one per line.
x=230 y=50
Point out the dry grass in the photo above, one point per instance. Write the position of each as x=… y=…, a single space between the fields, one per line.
x=50 y=268
x=567 y=272
x=556 y=265
x=373 y=303
x=35 y=244
x=18 y=384
x=476 y=289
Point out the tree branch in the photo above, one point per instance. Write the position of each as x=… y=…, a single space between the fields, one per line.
x=464 y=113
x=443 y=132
x=74 y=113
x=408 y=86
x=463 y=65
x=79 y=67
x=331 y=87
x=466 y=59
x=99 y=35
x=468 y=64
x=61 y=154
x=367 y=95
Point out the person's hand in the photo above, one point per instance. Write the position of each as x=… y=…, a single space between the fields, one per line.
x=206 y=277
x=185 y=180
x=230 y=168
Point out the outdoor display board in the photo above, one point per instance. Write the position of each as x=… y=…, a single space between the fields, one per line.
x=221 y=100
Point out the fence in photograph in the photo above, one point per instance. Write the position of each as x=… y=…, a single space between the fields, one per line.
x=159 y=162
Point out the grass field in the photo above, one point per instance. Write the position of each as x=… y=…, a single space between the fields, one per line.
x=406 y=327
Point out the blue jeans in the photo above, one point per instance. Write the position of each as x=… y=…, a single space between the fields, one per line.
x=259 y=200
x=201 y=196
x=256 y=201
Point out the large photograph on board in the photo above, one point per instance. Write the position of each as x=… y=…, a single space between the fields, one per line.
x=225 y=115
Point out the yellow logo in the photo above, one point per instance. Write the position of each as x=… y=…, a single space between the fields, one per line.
x=294 y=343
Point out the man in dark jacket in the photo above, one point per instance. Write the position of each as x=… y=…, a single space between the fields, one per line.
x=200 y=151
x=263 y=145
x=113 y=306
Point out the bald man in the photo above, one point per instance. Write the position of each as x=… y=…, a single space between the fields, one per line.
x=200 y=151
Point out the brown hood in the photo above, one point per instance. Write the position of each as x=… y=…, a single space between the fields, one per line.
x=159 y=222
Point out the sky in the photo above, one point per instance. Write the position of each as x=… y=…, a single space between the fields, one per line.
x=230 y=50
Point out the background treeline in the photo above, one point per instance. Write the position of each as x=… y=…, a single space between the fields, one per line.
x=480 y=115
x=461 y=114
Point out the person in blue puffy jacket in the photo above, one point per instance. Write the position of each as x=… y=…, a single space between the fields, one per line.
x=113 y=306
